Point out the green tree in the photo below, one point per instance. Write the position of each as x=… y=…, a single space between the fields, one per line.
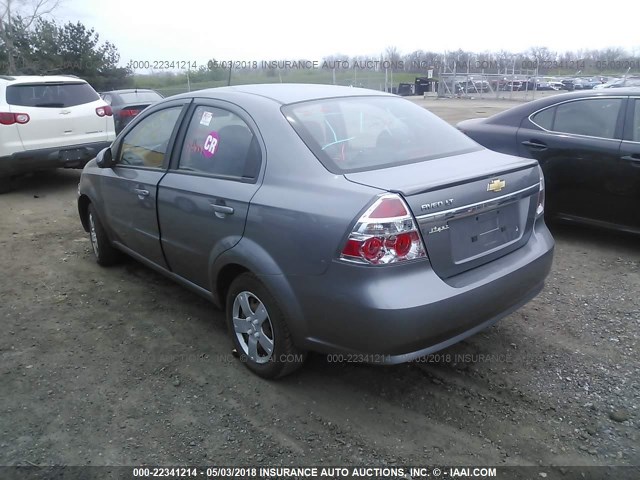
x=16 y=20
x=72 y=49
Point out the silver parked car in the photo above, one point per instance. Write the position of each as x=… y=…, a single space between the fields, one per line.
x=322 y=218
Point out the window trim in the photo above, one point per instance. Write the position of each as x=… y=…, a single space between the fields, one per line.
x=617 y=131
x=222 y=105
x=140 y=118
x=627 y=136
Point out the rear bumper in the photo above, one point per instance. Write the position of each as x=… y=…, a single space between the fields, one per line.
x=395 y=314
x=68 y=156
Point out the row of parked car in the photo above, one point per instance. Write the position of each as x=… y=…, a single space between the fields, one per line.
x=474 y=86
x=59 y=121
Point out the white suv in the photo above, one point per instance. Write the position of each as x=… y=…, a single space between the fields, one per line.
x=50 y=122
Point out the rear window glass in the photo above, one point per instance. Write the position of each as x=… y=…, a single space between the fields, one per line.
x=364 y=133
x=140 y=97
x=51 y=95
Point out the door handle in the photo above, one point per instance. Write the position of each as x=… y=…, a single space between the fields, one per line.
x=535 y=145
x=221 y=209
x=141 y=192
x=635 y=159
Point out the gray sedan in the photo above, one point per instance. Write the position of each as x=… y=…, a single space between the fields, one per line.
x=322 y=218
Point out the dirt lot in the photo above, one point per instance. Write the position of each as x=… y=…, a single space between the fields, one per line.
x=120 y=366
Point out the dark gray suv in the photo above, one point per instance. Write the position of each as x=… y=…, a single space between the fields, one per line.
x=322 y=218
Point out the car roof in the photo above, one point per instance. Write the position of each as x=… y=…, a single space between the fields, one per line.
x=508 y=116
x=285 y=93
x=129 y=90
x=17 y=79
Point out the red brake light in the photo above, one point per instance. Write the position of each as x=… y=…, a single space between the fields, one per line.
x=129 y=113
x=402 y=243
x=102 y=111
x=8 y=118
x=391 y=207
x=386 y=233
x=371 y=249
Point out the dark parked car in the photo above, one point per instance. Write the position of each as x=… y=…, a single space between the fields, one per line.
x=588 y=145
x=126 y=104
x=472 y=86
x=624 y=82
x=325 y=218
x=516 y=86
x=580 y=83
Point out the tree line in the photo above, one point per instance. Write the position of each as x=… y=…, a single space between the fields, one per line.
x=46 y=48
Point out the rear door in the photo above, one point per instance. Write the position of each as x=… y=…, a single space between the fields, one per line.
x=60 y=114
x=204 y=198
x=129 y=189
x=577 y=143
x=628 y=186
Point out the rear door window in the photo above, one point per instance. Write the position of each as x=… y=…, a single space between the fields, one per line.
x=544 y=118
x=219 y=142
x=51 y=95
x=592 y=117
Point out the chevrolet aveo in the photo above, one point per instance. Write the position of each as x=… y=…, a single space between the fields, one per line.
x=322 y=218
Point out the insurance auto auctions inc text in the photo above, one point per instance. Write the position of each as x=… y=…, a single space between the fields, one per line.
x=359 y=472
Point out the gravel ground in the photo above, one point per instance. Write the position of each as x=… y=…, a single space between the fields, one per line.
x=120 y=366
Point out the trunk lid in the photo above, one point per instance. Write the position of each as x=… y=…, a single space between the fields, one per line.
x=470 y=208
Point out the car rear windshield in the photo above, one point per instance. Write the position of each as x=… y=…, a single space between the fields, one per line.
x=140 y=97
x=353 y=134
x=51 y=95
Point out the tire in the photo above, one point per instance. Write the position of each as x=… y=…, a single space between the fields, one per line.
x=103 y=251
x=7 y=184
x=264 y=345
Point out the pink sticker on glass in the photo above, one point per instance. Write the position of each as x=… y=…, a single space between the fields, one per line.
x=211 y=145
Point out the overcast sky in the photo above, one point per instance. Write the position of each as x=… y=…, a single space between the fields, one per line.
x=286 y=30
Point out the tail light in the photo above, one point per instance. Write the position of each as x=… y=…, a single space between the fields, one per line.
x=7 y=118
x=385 y=233
x=541 y=195
x=128 y=113
x=102 y=111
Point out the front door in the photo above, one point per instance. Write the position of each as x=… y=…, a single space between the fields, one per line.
x=130 y=188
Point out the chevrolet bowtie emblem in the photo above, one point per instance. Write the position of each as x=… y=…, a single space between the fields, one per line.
x=496 y=185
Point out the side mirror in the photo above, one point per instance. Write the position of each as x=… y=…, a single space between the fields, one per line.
x=104 y=159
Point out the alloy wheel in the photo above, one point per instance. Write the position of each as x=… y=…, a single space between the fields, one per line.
x=253 y=327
